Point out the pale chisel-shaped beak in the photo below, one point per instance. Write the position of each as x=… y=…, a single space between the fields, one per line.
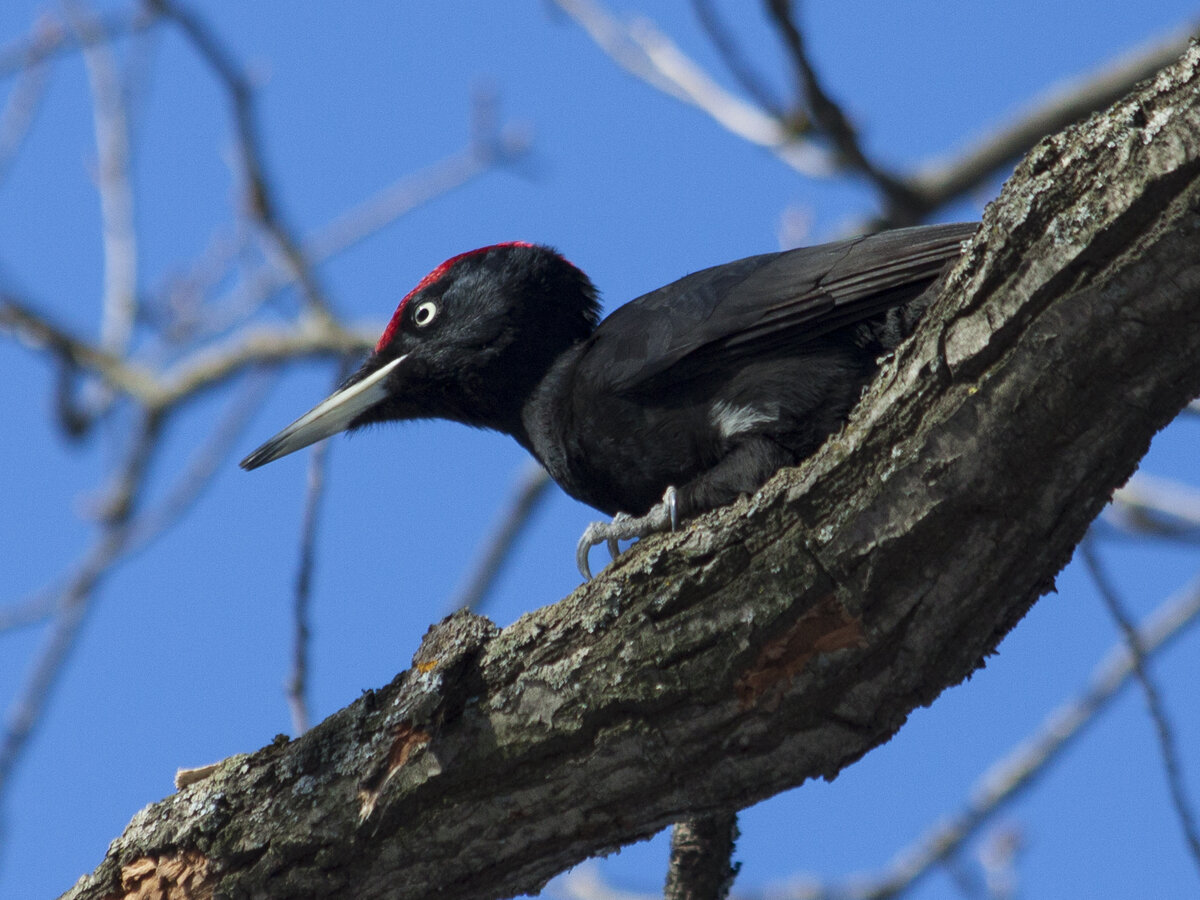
x=336 y=413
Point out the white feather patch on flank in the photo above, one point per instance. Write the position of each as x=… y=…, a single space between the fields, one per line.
x=730 y=420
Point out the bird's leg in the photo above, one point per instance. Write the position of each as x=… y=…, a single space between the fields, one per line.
x=742 y=471
x=663 y=516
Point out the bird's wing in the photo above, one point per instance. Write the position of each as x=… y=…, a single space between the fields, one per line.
x=757 y=304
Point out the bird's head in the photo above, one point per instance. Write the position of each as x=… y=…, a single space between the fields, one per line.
x=469 y=343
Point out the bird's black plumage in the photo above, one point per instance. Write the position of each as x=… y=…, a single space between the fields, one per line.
x=707 y=385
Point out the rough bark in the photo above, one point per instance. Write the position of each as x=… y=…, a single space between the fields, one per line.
x=701 y=866
x=778 y=639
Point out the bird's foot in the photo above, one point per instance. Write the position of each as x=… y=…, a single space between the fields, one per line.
x=662 y=516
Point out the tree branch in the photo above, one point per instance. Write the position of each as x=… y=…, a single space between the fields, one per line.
x=941 y=182
x=701 y=866
x=531 y=487
x=780 y=638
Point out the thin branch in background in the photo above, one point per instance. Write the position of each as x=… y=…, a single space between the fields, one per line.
x=489 y=147
x=832 y=123
x=641 y=49
x=33 y=610
x=531 y=488
x=262 y=201
x=1154 y=703
x=49 y=38
x=200 y=469
x=941 y=181
x=739 y=67
x=24 y=100
x=1157 y=507
x=117 y=231
x=1015 y=772
x=34 y=329
x=647 y=53
x=701 y=865
x=252 y=347
x=297 y=683
x=75 y=599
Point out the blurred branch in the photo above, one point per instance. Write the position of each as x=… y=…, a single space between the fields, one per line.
x=645 y=52
x=718 y=32
x=832 y=122
x=1156 y=506
x=256 y=346
x=937 y=183
x=297 y=683
x=1018 y=770
x=50 y=38
x=203 y=465
x=37 y=331
x=73 y=601
x=119 y=308
x=487 y=149
x=531 y=487
x=1154 y=703
x=263 y=204
x=641 y=49
x=19 y=112
x=152 y=522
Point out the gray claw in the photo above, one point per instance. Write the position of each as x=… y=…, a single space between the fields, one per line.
x=624 y=527
x=586 y=542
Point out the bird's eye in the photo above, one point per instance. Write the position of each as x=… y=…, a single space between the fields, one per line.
x=425 y=313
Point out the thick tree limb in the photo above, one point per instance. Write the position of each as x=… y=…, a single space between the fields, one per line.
x=781 y=638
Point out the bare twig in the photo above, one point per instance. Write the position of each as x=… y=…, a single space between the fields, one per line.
x=297 y=683
x=33 y=610
x=941 y=181
x=36 y=330
x=1156 y=506
x=738 y=66
x=1154 y=703
x=119 y=307
x=827 y=115
x=73 y=602
x=203 y=465
x=262 y=201
x=50 y=38
x=251 y=347
x=23 y=102
x=531 y=488
x=1017 y=771
x=645 y=52
x=410 y=192
x=489 y=147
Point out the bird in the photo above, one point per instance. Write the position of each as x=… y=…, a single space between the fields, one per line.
x=678 y=402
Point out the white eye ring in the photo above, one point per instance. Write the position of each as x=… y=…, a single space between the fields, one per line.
x=425 y=313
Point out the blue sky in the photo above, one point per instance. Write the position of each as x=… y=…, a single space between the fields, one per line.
x=186 y=647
